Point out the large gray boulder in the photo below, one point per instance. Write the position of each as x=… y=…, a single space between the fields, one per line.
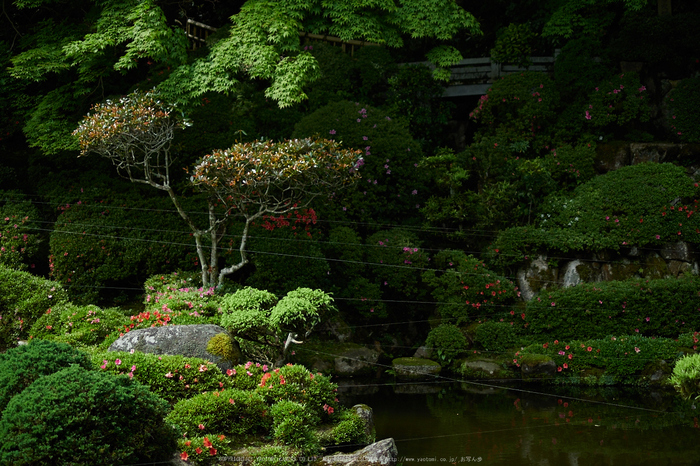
x=184 y=340
x=356 y=361
x=379 y=453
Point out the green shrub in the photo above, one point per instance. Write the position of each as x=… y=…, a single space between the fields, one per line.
x=296 y=383
x=664 y=308
x=632 y=206
x=24 y=298
x=291 y=425
x=514 y=45
x=19 y=243
x=683 y=102
x=286 y=255
x=247 y=376
x=448 y=341
x=78 y=325
x=21 y=366
x=198 y=449
x=397 y=259
x=686 y=376
x=227 y=412
x=462 y=284
x=169 y=376
x=617 y=101
x=349 y=429
x=117 y=240
x=623 y=358
x=519 y=107
x=496 y=336
x=76 y=416
x=390 y=160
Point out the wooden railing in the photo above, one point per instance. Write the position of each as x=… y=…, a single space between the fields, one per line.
x=197 y=33
x=474 y=76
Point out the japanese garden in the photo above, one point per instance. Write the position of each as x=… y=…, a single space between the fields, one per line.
x=216 y=217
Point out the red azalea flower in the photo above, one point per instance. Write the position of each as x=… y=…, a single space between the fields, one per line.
x=590 y=349
x=184 y=456
x=212 y=451
x=199 y=451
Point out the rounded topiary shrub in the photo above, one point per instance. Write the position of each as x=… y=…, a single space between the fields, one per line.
x=292 y=424
x=448 y=341
x=23 y=299
x=79 y=325
x=686 y=376
x=81 y=417
x=226 y=412
x=683 y=103
x=392 y=189
x=496 y=336
x=21 y=366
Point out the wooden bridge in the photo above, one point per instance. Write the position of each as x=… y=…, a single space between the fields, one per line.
x=471 y=76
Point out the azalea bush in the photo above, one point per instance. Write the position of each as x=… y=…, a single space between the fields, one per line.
x=227 y=411
x=617 y=102
x=622 y=357
x=85 y=417
x=683 y=121
x=171 y=377
x=638 y=205
x=116 y=241
x=79 y=325
x=24 y=298
x=664 y=308
x=296 y=383
x=389 y=160
x=21 y=366
x=464 y=286
x=448 y=341
x=396 y=259
x=19 y=239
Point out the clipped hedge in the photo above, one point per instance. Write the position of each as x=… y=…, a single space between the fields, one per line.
x=117 y=242
x=664 y=308
x=391 y=189
x=24 y=298
x=638 y=205
x=171 y=377
x=82 y=417
x=21 y=366
x=79 y=325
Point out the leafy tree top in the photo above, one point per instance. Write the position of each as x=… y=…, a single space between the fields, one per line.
x=263 y=42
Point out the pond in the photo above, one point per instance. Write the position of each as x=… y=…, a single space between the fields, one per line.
x=460 y=423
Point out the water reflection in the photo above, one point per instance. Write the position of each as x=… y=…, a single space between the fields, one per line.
x=460 y=423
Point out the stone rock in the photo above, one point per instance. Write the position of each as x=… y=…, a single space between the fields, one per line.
x=415 y=368
x=611 y=157
x=679 y=251
x=677 y=268
x=487 y=367
x=571 y=276
x=538 y=369
x=535 y=277
x=379 y=453
x=653 y=152
x=423 y=352
x=417 y=389
x=367 y=415
x=355 y=361
x=184 y=340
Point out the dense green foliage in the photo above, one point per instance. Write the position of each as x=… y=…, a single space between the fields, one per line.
x=665 y=307
x=24 y=298
x=77 y=416
x=19 y=238
x=496 y=336
x=639 y=205
x=21 y=366
x=79 y=325
x=682 y=102
x=686 y=376
x=448 y=341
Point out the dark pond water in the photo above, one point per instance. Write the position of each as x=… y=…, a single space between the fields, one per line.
x=462 y=423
